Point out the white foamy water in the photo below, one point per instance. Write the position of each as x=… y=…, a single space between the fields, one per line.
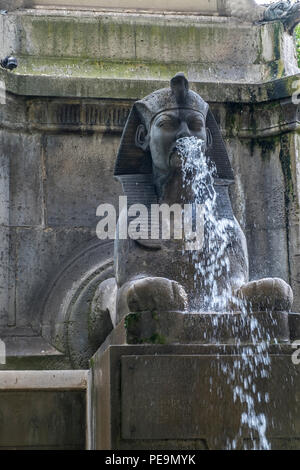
x=248 y=371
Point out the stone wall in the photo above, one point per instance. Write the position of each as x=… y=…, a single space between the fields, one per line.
x=43 y=410
x=245 y=8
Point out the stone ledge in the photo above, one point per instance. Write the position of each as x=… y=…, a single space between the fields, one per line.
x=197 y=7
x=105 y=115
x=134 y=45
x=44 y=380
x=134 y=89
x=200 y=328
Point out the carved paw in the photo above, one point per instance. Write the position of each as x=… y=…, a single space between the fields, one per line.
x=267 y=294
x=156 y=293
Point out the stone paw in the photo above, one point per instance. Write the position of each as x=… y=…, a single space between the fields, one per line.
x=267 y=294
x=156 y=293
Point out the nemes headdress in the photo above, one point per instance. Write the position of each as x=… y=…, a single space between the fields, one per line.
x=132 y=160
x=134 y=166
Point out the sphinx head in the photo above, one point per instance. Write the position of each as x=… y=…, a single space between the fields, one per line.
x=166 y=116
x=156 y=122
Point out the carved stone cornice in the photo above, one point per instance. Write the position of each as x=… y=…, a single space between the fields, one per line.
x=77 y=115
x=243 y=120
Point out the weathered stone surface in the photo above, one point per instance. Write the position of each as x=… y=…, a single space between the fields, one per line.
x=259 y=204
x=174 y=396
x=78 y=178
x=42 y=420
x=44 y=380
x=248 y=10
x=6 y=281
x=40 y=246
x=294 y=326
x=290 y=160
x=24 y=178
x=132 y=88
x=200 y=328
x=268 y=294
x=43 y=409
x=202 y=52
x=190 y=398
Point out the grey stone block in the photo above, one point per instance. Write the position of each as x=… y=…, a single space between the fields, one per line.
x=179 y=397
x=7 y=278
x=25 y=177
x=201 y=328
x=42 y=420
x=41 y=255
x=79 y=178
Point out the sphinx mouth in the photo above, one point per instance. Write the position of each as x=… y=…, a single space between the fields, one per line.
x=175 y=160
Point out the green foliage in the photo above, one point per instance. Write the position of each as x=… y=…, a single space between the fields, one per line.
x=297 y=34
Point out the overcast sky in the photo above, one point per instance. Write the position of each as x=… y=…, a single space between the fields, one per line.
x=264 y=2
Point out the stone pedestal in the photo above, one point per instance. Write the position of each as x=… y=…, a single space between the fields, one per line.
x=181 y=396
x=43 y=410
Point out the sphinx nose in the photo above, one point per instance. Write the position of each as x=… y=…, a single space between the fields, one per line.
x=183 y=131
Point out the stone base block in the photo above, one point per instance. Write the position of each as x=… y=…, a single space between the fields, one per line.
x=43 y=410
x=204 y=328
x=184 y=397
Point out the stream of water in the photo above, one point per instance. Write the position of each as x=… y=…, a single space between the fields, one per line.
x=248 y=371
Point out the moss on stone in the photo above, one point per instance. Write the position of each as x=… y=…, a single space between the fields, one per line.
x=285 y=160
x=277 y=34
x=156 y=338
x=268 y=145
x=155 y=316
x=131 y=320
x=233 y=110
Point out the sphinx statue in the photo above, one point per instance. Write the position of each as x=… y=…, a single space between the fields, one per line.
x=285 y=11
x=157 y=274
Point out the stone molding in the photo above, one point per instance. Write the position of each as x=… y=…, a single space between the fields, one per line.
x=44 y=380
x=102 y=116
x=245 y=8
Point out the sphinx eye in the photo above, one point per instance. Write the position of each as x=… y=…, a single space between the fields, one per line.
x=195 y=125
x=168 y=123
